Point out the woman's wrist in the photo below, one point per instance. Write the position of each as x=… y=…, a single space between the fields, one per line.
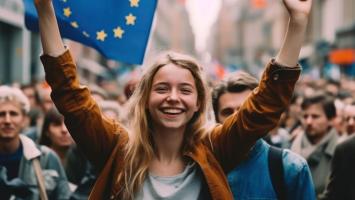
x=299 y=21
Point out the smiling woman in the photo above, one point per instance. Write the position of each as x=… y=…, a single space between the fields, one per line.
x=166 y=151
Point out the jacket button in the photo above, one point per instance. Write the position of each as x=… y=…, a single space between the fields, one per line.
x=276 y=77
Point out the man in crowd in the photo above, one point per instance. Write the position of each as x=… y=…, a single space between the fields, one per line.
x=27 y=171
x=342 y=177
x=251 y=179
x=317 y=142
x=349 y=118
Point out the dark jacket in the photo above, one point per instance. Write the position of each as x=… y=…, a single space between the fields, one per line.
x=341 y=185
x=103 y=140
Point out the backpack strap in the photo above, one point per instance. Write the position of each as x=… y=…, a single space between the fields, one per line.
x=276 y=172
x=39 y=176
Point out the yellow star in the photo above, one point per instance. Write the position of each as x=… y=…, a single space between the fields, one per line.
x=118 y=32
x=130 y=19
x=101 y=35
x=67 y=12
x=64 y=0
x=74 y=24
x=134 y=3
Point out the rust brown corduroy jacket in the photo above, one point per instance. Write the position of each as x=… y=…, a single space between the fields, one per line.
x=103 y=140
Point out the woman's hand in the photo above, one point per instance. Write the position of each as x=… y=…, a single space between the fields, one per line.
x=42 y=3
x=299 y=10
x=48 y=27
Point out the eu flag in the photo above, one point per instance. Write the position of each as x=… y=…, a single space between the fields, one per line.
x=118 y=29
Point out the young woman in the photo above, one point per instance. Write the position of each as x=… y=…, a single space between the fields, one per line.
x=55 y=135
x=167 y=152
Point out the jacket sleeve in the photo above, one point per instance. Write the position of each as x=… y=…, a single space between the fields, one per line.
x=260 y=113
x=94 y=134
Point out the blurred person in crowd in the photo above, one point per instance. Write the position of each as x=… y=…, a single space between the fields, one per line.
x=111 y=109
x=338 y=121
x=33 y=118
x=55 y=135
x=167 y=139
x=332 y=87
x=347 y=84
x=317 y=142
x=343 y=98
x=79 y=171
x=130 y=86
x=341 y=185
x=31 y=93
x=252 y=178
x=121 y=99
x=44 y=92
x=27 y=170
x=349 y=121
x=290 y=119
x=98 y=93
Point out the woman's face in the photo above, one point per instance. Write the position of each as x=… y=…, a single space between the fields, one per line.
x=173 y=97
x=59 y=135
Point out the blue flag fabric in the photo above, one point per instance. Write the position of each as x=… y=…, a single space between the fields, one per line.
x=118 y=29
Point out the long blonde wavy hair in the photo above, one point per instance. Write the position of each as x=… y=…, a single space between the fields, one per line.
x=140 y=147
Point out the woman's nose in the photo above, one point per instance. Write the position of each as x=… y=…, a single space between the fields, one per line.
x=173 y=96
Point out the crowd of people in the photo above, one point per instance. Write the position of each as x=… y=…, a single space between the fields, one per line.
x=175 y=137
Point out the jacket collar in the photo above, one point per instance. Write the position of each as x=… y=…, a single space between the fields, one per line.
x=30 y=149
x=333 y=141
x=326 y=147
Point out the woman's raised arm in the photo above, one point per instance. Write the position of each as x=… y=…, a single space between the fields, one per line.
x=50 y=36
x=299 y=11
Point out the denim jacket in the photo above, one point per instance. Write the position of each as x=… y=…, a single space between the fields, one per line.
x=251 y=179
x=56 y=183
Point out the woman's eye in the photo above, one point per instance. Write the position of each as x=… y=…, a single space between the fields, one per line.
x=161 y=89
x=186 y=91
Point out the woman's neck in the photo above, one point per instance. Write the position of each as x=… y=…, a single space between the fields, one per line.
x=168 y=143
x=168 y=159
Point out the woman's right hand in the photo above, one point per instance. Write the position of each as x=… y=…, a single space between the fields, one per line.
x=50 y=36
x=41 y=3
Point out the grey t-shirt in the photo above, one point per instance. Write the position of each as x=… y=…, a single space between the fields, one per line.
x=187 y=185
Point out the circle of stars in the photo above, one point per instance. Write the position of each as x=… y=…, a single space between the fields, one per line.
x=101 y=35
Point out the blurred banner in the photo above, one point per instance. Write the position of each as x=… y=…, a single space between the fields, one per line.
x=258 y=4
x=118 y=29
x=342 y=56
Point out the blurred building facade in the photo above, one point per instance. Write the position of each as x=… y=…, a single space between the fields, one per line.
x=18 y=46
x=249 y=31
